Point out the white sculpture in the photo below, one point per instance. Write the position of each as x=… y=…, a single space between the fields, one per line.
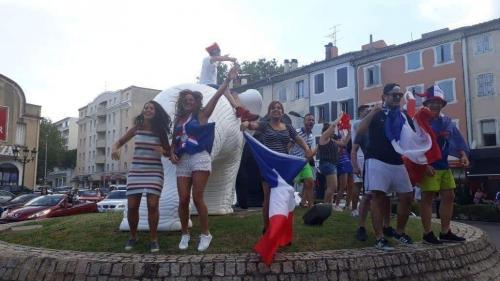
x=226 y=155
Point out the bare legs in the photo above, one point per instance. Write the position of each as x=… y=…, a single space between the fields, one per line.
x=331 y=188
x=133 y=202
x=197 y=182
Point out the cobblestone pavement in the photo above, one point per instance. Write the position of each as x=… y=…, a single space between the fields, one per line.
x=477 y=259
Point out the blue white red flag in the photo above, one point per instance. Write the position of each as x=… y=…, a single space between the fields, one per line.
x=278 y=170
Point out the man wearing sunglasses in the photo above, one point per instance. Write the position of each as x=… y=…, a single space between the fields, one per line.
x=384 y=169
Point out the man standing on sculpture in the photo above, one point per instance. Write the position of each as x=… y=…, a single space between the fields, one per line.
x=384 y=170
x=208 y=76
x=438 y=178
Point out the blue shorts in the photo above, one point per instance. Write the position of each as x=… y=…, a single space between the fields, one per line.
x=327 y=168
x=344 y=165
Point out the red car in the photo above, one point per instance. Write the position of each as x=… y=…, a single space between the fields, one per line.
x=49 y=206
x=90 y=196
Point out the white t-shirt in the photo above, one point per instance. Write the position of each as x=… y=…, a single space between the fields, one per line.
x=208 y=73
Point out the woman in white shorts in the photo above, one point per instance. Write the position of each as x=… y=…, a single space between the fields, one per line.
x=192 y=141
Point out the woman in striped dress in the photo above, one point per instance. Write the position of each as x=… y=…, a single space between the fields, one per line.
x=150 y=131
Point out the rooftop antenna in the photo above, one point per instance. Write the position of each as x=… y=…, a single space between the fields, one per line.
x=333 y=34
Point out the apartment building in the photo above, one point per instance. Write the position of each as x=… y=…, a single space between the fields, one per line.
x=100 y=124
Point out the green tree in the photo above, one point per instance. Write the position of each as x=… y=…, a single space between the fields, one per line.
x=253 y=70
x=50 y=136
x=67 y=159
x=260 y=69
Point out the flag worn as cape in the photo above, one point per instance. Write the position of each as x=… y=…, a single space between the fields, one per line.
x=277 y=169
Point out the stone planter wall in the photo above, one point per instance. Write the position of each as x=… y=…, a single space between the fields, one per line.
x=477 y=259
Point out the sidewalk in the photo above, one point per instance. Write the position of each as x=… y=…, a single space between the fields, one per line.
x=492 y=228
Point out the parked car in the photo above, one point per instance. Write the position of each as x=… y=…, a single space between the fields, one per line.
x=91 y=196
x=49 y=206
x=61 y=190
x=5 y=196
x=16 y=202
x=116 y=201
x=16 y=189
x=118 y=187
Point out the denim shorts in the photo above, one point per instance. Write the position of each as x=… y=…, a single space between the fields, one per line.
x=327 y=168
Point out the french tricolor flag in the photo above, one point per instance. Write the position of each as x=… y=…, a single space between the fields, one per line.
x=278 y=170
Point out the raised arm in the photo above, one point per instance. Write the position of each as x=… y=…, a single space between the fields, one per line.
x=115 y=154
x=325 y=136
x=222 y=58
x=209 y=108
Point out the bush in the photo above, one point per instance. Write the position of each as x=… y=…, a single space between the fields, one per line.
x=477 y=212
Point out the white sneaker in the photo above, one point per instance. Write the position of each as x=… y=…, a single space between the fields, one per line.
x=355 y=213
x=183 y=245
x=204 y=242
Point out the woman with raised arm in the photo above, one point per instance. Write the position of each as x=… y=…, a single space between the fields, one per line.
x=277 y=136
x=193 y=140
x=150 y=131
x=328 y=150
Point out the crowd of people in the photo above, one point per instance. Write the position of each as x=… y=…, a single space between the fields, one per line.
x=355 y=160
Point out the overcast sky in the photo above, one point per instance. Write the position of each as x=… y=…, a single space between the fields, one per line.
x=64 y=53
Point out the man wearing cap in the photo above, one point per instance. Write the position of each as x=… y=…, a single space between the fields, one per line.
x=438 y=178
x=384 y=169
x=208 y=76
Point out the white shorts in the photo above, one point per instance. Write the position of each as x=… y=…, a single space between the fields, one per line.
x=380 y=176
x=189 y=163
x=361 y=163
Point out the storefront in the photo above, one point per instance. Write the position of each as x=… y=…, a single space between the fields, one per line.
x=19 y=128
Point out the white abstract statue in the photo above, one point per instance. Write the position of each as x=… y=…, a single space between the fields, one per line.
x=226 y=156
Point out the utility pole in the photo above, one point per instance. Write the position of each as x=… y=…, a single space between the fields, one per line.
x=45 y=162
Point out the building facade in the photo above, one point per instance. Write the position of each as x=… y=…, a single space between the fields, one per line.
x=19 y=126
x=100 y=124
x=436 y=58
x=482 y=44
x=68 y=128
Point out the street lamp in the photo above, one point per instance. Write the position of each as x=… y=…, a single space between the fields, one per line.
x=24 y=155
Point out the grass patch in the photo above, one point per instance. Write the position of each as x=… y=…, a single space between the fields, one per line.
x=236 y=233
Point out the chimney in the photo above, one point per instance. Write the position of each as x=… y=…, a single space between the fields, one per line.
x=331 y=51
x=286 y=65
x=379 y=44
x=294 y=64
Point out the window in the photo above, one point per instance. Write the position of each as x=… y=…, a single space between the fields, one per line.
x=489 y=132
x=323 y=113
x=342 y=77
x=483 y=44
x=416 y=89
x=413 y=61
x=372 y=76
x=485 y=85
x=282 y=94
x=300 y=89
x=319 y=86
x=125 y=165
x=443 y=53
x=107 y=167
x=347 y=107
x=448 y=87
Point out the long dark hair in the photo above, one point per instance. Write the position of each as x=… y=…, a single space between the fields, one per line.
x=160 y=124
x=179 y=108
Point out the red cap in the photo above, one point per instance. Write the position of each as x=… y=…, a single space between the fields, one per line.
x=212 y=48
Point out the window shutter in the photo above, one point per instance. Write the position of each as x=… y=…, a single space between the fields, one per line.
x=350 y=107
x=376 y=75
x=326 y=107
x=334 y=110
x=311 y=110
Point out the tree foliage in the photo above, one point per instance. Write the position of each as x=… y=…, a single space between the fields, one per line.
x=50 y=138
x=253 y=70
